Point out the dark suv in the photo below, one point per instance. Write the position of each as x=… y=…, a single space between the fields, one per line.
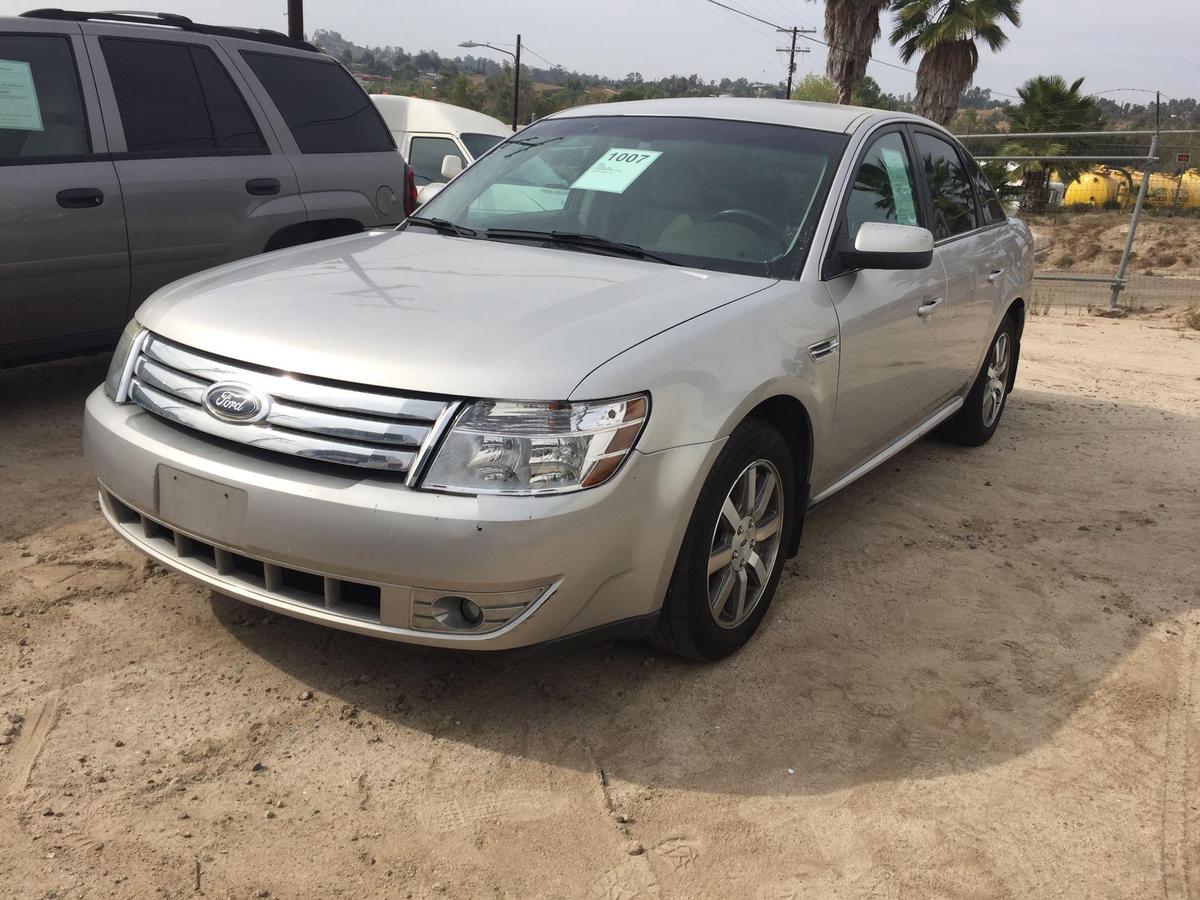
x=136 y=148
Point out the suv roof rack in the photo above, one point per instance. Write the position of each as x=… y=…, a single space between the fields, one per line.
x=134 y=17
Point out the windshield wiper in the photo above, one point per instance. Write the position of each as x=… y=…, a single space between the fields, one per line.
x=443 y=226
x=576 y=239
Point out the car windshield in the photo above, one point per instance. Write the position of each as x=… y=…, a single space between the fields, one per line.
x=479 y=144
x=707 y=193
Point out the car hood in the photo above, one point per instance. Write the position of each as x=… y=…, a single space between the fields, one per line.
x=423 y=312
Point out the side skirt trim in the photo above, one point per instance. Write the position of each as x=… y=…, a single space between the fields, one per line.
x=891 y=450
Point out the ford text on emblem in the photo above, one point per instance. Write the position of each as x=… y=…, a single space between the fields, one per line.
x=235 y=403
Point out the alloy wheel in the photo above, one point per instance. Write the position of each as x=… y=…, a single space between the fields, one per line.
x=745 y=544
x=997 y=380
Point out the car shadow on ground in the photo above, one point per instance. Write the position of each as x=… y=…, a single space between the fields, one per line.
x=950 y=611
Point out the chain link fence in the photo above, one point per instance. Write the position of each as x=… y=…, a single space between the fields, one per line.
x=1082 y=193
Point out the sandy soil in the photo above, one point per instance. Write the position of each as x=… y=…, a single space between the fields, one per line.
x=1091 y=242
x=978 y=680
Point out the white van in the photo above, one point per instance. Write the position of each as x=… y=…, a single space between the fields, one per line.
x=427 y=131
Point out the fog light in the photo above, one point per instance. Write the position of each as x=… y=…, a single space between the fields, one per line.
x=471 y=612
x=457 y=613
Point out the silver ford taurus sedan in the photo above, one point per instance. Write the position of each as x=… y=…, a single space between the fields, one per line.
x=592 y=388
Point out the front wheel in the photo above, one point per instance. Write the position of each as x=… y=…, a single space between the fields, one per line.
x=979 y=417
x=733 y=552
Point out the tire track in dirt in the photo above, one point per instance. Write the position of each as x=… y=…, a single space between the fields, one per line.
x=39 y=722
x=1178 y=778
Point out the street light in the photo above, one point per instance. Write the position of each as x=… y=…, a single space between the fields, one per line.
x=516 y=69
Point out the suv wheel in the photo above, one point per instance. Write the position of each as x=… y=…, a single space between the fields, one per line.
x=732 y=555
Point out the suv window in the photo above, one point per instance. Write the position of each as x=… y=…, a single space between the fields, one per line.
x=425 y=155
x=884 y=187
x=177 y=99
x=41 y=110
x=325 y=108
x=951 y=195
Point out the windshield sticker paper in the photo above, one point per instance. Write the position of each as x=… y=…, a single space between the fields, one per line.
x=18 y=97
x=616 y=170
x=902 y=196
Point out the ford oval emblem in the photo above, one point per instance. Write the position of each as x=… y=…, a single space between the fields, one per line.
x=237 y=403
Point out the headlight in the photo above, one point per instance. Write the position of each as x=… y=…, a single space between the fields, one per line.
x=120 y=357
x=510 y=447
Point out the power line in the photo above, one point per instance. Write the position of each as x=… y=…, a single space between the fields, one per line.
x=552 y=65
x=742 y=12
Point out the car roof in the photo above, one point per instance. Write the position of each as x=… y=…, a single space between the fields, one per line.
x=796 y=113
x=418 y=114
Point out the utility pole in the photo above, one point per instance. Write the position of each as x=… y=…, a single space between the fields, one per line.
x=295 y=17
x=516 y=72
x=792 y=51
x=516 y=83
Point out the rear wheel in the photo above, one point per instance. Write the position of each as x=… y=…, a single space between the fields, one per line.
x=979 y=417
x=733 y=552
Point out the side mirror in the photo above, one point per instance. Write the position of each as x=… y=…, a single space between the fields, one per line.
x=451 y=165
x=881 y=245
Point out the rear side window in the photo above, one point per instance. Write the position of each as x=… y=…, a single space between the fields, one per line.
x=425 y=155
x=325 y=108
x=951 y=193
x=993 y=210
x=177 y=99
x=41 y=110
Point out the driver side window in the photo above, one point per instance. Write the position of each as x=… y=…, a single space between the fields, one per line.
x=884 y=188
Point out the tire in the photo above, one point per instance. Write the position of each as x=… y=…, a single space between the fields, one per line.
x=690 y=624
x=977 y=421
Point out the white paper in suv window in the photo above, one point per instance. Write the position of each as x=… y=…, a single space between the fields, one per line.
x=19 y=108
x=615 y=170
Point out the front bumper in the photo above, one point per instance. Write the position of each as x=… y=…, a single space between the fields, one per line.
x=345 y=549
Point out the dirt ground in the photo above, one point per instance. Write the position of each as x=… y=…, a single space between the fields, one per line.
x=978 y=680
x=1091 y=242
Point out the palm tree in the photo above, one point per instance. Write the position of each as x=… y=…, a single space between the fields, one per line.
x=945 y=32
x=851 y=27
x=1048 y=103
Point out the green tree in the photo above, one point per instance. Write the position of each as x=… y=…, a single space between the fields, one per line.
x=944 y=32
x=868 y=93
x=1048 y=103
x=816 y=88
x=851 y=27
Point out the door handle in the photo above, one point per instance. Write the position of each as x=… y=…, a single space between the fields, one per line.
x=80 y=198
x=929 y=306
x=262 y=187
x=994 y=274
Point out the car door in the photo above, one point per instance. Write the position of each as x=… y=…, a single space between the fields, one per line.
x=344 y=156
x=890 y=321
x=970 y=246
x=426 y=153
x=64 y=258
x=203 y=183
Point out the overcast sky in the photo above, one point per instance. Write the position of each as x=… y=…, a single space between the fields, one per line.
x=1114 y=43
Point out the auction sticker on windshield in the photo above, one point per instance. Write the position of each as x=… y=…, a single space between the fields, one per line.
x=616 y=170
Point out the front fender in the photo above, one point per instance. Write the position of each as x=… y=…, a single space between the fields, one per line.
x=705 y=375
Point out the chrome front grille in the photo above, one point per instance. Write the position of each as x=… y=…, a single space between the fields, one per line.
x=305 y=418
